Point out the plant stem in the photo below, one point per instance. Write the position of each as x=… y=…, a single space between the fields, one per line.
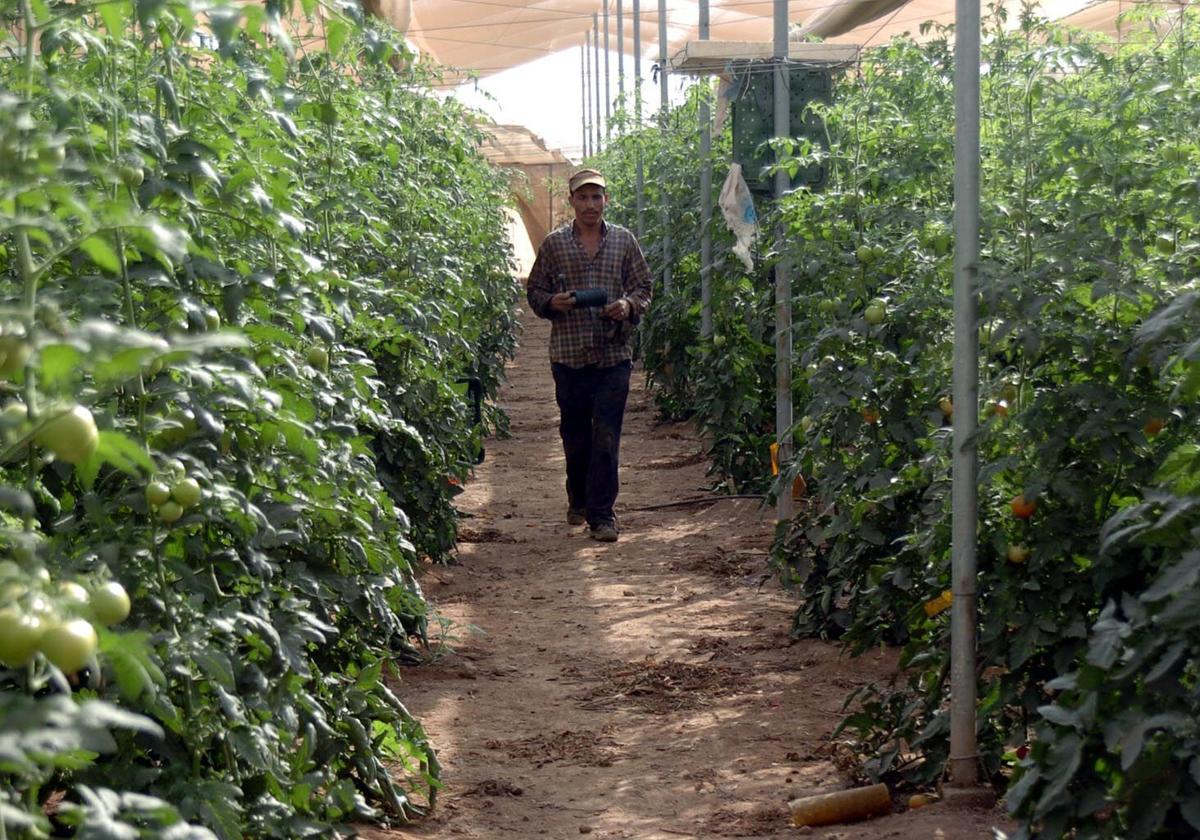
x=30 y=28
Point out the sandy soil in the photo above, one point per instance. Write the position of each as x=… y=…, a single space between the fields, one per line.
x=645 y=689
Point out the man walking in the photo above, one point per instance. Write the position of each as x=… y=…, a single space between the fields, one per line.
x=591 y=281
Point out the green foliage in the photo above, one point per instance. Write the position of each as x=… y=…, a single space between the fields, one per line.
x=264 y=269
x=1116 y=754
x=1087 y=386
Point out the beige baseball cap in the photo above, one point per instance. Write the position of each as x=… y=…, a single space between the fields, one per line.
x=586 y=176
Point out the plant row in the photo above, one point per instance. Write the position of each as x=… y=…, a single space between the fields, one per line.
x=250 y=270
x=1088 y=439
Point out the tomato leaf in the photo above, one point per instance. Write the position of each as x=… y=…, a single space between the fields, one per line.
x=123 y=453
x=101 y=253
x=57 y=363
x=336 y=33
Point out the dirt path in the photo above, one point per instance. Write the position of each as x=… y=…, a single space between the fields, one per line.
x=645 y=689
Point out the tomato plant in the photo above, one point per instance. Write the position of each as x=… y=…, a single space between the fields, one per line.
x=193 y=202
x=1088 y=268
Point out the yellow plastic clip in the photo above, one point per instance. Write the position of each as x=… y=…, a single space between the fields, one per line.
x=939 y=604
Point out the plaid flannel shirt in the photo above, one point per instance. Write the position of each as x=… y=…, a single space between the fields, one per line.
x=582 y=337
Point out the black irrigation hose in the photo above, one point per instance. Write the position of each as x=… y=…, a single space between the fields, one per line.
x=699 y=500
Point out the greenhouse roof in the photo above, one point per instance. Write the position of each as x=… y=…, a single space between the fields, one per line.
x=488 y=36
x=508 y=145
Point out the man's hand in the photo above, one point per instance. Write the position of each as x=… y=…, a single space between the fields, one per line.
x=562 y=302
x=618 y=310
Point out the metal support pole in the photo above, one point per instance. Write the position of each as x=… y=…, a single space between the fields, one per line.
x=589 y=147
x=706 y=203
x=662 y=118
x=584 y=105
x=783 y=270
x=637 y=110
x=621 y=52
x=964 y=759
x=596 y=67
x=607 y=86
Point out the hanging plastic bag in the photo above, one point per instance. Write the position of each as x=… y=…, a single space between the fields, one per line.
x=737 y=207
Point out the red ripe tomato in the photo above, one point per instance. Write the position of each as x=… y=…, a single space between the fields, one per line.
x=1023 y=508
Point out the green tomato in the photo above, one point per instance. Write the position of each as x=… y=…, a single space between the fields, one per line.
x=69 y=646
x=20 y=633
x=12 y=590
x=212 y=319
x=131 y=175
x=186 y=491
x=71 y=435
x=875 y=312
x=1018 y=553
x=74 y=594
x=1174 y=154
x=865 y=254
x=170 y=512
x=156 y=493
x=176 y=435
x=110 y=603
x=718 y=340
x=1164 y=244
x=806 y=424
x=14 y=354
x=14 y=414
x=827 y=306
x=52 y=155
x=318 y=357
x=187 y=420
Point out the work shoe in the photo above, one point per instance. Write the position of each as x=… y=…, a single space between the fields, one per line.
x=576 y=516
x=605 y=532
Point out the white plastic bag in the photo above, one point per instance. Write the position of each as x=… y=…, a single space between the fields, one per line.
x=737 y=206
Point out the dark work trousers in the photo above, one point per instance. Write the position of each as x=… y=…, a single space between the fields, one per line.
x=591 y=406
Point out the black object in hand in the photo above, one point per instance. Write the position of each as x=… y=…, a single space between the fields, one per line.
x=590 y=297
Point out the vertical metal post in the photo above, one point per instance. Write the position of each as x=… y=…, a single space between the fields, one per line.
x=584 y=104
x=621 y=52
x=706 y=204
x=662 y=117
x=607 y=86
x=596 y=148
x=783 y=270
x=637 y=110
x=964 y=759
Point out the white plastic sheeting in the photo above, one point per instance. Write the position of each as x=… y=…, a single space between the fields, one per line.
x=488 y=36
